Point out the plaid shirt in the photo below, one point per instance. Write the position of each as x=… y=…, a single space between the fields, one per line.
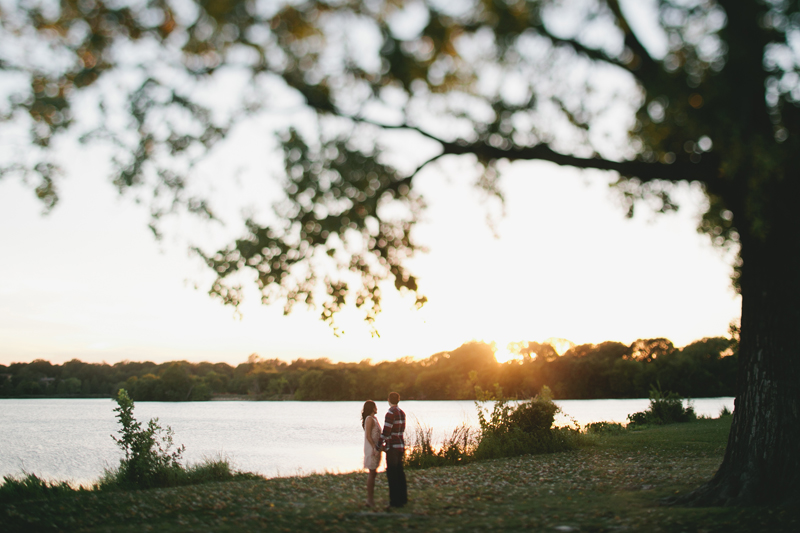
x=393 y=428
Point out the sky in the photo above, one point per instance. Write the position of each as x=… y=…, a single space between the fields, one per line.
x=89 y=281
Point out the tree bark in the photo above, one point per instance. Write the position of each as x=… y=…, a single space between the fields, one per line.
x=762 y=459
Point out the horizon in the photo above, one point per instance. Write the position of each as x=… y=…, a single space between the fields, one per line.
x=497 y=351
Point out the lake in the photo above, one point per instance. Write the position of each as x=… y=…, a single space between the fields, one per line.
x=70 y=439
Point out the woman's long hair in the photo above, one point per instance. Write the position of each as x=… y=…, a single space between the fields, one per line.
x=367 y=410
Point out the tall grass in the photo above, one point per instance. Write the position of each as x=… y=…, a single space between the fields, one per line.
x=31 y=487
x=209 y=470
x=456 y=448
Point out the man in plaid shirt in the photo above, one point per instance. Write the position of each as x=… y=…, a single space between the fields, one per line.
x=392 y=442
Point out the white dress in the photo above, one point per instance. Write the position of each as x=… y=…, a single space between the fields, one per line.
x=372 y=457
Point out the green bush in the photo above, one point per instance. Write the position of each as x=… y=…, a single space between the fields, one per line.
x=517 y=442
x=31 y=487
x=532 y=416
x=665 y=408
x=151 y=462
x=605 y=428
x=523 y=428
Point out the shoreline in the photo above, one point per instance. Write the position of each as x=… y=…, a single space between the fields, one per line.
x=616 y=484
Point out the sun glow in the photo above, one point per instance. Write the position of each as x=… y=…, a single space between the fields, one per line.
x=508 y=351
x=504 y=352
x=559 y=345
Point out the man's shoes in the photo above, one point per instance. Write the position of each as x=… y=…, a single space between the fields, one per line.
x=390 y=508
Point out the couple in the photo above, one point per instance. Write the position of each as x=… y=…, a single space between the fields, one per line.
x=390 y=441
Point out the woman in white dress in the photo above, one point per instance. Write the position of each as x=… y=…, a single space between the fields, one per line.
x=372 y=457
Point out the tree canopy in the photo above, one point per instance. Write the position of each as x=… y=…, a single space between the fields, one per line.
x=477 y=78
x=372 y=92
x=705 y=368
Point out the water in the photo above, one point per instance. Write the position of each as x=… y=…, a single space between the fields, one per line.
x=70 y=439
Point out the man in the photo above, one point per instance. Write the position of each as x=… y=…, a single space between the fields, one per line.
x=393 y=444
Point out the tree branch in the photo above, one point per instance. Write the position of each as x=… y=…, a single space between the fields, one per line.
x=705 y=170
x=591 y=53
x=403 y=126
x=678 y=171
x=423 y=165
x=645 y=61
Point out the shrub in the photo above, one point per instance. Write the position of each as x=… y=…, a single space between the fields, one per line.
x=605 y=428
x=523 y=428
x=665 y=408
x=148 y=461
x=31 y=487
x=725 y=412
x=532 y=416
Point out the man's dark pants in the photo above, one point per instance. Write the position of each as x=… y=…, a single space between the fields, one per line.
x=398 y=493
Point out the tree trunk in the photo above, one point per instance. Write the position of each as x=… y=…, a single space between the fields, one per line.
x=762 y=459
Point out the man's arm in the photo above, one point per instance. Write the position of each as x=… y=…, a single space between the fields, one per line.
x=388 y=424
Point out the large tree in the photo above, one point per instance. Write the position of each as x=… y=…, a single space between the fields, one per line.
x=368 y=93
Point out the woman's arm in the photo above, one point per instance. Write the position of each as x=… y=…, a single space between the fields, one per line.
x=368 y=430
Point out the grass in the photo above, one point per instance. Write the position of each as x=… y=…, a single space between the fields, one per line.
x=209 y=470
x=30 y=487
x=615 y=485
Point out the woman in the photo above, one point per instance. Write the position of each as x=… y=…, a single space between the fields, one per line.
x=372 y=457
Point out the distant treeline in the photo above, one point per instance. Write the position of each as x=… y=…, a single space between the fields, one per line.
x=705 y=368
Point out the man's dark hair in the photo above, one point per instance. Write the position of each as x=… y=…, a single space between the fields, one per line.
x=394 y=398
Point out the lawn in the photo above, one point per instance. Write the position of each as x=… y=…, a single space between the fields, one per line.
x=615 y=485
